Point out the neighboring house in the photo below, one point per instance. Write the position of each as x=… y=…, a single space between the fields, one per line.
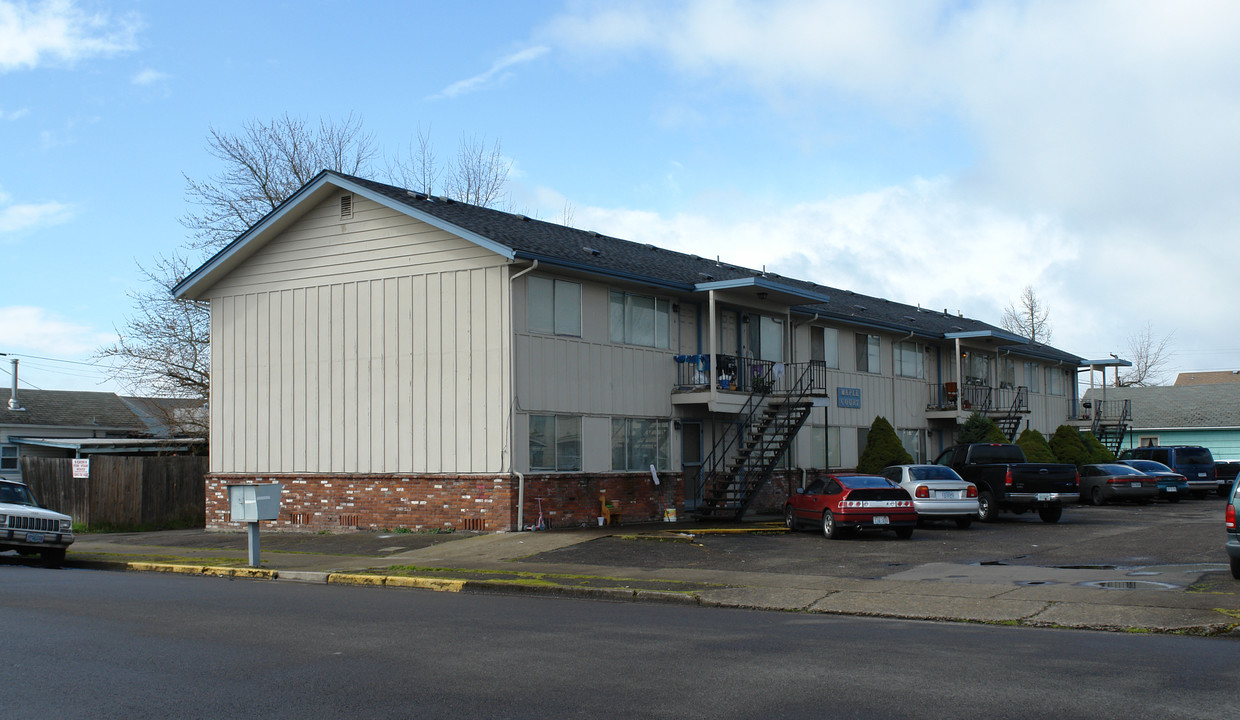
x=63 y=423
x=1206 y=415
x=400 y=360
x=1210 y=377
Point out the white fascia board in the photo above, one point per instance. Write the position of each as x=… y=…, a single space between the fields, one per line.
x=996 y=334
x=197 y=282
x=764 y=284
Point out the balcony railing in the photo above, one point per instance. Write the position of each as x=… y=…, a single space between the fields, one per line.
x=740 y=374
x=978 y=398
x=1104 y=410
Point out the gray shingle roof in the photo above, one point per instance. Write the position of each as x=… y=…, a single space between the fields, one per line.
x=589 y=251
x=69 y=408
x=1170 y=406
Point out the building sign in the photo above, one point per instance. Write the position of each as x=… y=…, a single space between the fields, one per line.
x=848 y=397
x=81 y=468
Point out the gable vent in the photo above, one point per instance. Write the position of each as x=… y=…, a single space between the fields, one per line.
x=346 y=207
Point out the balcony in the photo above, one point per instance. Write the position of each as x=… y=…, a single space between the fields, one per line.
x=736 y=377
x=975 y=397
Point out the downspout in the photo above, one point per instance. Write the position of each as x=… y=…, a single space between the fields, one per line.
x=714 y=349
x=959 y=378
x=512 y=404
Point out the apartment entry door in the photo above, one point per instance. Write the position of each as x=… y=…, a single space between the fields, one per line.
x=691 y=461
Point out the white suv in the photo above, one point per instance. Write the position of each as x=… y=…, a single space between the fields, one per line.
x=29 y=528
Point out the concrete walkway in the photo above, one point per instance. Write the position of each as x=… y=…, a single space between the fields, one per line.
x=1192 y=599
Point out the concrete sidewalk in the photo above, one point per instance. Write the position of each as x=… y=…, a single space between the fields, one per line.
x=1191 y=599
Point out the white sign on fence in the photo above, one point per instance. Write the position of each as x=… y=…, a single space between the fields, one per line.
x=81 y=468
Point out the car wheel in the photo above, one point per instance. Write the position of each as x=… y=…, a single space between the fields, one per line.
x=904 y=533
x=986 y=510
x=1050 y=514
x=1095 y=496
x=964 y=522
x=53 y=557
x=1235 y=568
x=829 y=529
x=790 y=520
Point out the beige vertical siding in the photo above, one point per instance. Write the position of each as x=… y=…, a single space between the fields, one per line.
x=379 y=345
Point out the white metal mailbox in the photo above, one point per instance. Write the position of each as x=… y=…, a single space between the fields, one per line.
x=251 y=503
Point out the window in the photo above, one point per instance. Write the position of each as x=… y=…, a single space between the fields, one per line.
x=1148 y=441
x=867 y=354
x=907 y=360
x=638 y=443
x=1007 y=373
x=824 y=346
x=640 y=320
x=863 y=437
x=8 y=457
x=1054 y=381
x=824 y=447
x=555 y=442
x=766 y=338
x=914 y=442
x=554 y=306
x=976 y=368
x=1032 y=371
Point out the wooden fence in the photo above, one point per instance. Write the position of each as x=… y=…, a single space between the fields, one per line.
x=123 y=493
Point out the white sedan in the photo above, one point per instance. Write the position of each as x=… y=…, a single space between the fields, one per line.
x=938 y=492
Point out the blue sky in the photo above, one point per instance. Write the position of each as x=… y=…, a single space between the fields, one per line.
x=940 y=153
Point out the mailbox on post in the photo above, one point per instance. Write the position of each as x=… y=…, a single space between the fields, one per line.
x=251 y=503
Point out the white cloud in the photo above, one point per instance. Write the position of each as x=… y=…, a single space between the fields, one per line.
x=494 y=75
x=57 y=31
x=35 y=330
x=14 y=114
x=1102 y=137
x=149 y=77
x=24 y=216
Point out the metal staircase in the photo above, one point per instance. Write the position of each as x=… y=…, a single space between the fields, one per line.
x=749 y=450
x=1111 y=423
x=1010 y=422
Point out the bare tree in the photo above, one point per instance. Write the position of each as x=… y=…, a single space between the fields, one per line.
x=1030 y=319
x=480 y=174
x=263 y=165
x=1149 y=356
x=164 y=347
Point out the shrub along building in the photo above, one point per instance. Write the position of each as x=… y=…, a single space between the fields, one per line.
x=401 y=360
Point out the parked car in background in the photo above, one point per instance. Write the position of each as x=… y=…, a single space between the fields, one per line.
x=29 y=528
x=1233 y=531
x=1112 y=482
x=852 y=502
x=1225 y=472
x=938 y=492
x=1171 y=485
x=1194 y=462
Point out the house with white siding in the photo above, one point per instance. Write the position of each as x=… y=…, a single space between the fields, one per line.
x=401 y=360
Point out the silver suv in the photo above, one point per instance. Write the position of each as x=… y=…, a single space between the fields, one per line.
x=29 y=528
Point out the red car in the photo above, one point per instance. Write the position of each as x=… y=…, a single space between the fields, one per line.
x=852 y=502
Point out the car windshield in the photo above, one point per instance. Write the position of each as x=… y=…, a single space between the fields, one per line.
x=1149 y=466
x=14 y=494
x=932 y=472
x=864 y=481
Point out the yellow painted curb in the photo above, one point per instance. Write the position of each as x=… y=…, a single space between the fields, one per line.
x=164 y=568
x=436 y=584
x=241 y=572
x=352 y=579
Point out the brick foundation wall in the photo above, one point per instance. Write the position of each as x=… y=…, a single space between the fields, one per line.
x=341 y=503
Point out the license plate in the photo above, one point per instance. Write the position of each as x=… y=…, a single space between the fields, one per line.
x=1136 y=484
x=882 y=520
x=949 y=494
x=34 y=538
x=1045 y=497
x=1172 y=488
x=1201 y=474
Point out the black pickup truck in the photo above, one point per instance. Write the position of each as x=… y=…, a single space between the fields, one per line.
x=1005 y=481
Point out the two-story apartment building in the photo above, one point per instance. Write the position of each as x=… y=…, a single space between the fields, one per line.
x=401 y=360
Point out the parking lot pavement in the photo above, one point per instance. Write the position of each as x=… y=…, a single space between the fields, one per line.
x=1156 y=568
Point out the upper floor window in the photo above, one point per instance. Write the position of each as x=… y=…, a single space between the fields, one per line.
x=1007 y=373
x=1054 y=381
x=868 y=354
x=908 y=361
x=766 y=338
x=1032 y=371
x=8 y=457
x=554 y=306
x=824 y=346
x=640 y=320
